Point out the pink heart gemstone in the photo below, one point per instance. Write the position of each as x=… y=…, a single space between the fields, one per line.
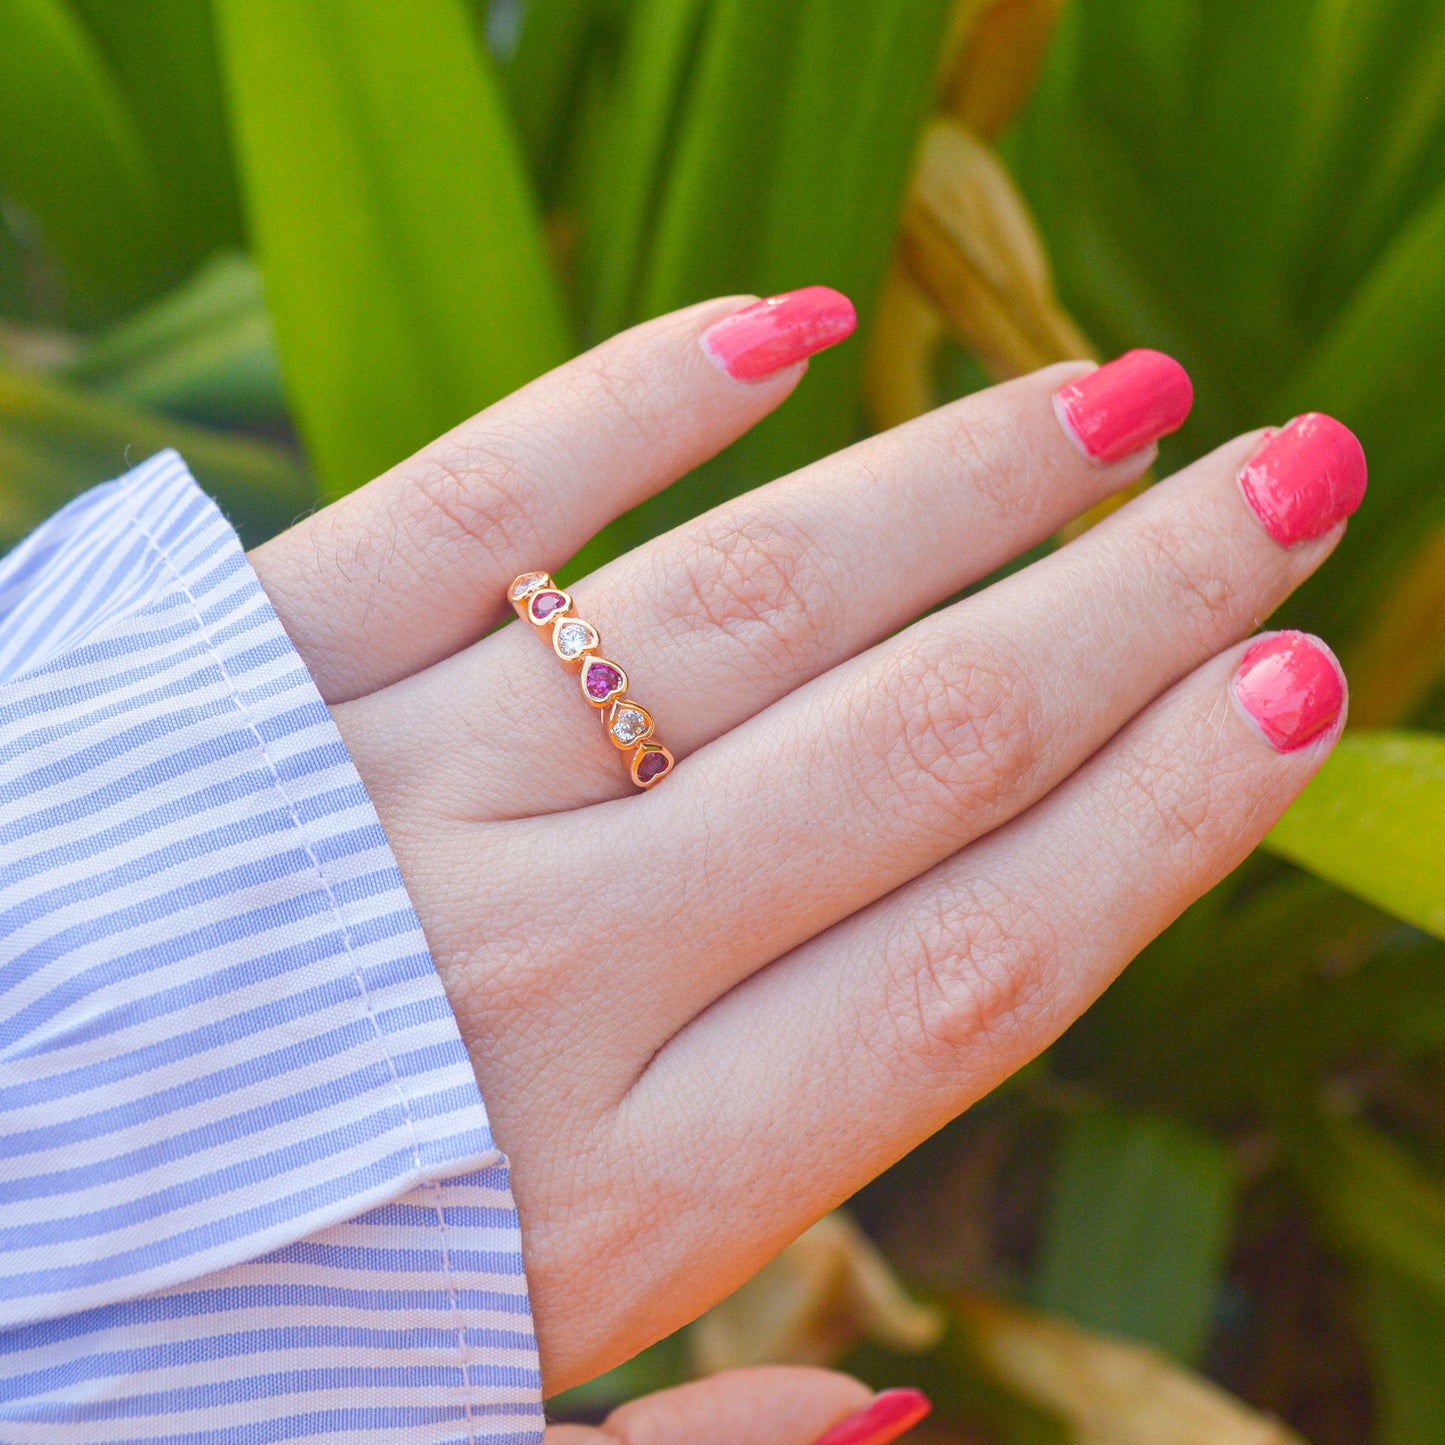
x=602 y=680
x=653 y=765
x=544 y=604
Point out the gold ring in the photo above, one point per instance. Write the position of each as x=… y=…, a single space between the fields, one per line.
x=537 y=599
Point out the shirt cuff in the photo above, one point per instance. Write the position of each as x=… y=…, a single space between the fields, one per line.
x=221 y=1030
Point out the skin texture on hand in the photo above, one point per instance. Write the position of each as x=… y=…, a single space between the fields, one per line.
x=896 y=857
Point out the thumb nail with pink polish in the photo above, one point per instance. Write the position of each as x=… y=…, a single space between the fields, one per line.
x=889 y=1415
x=768 y=335
x=1291 y=688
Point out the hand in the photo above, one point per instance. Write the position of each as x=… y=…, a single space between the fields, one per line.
x=767 y=1406
x=890 y=866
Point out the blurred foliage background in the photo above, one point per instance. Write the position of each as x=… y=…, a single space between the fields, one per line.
x=298 y=238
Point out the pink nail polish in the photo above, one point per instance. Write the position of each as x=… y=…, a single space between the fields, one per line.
x=769 y=335
x=1123 y=406
x=1292 y=687
x=890 y=1414
x=1305 y=478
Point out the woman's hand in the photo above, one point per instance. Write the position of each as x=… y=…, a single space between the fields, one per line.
x=891 y=866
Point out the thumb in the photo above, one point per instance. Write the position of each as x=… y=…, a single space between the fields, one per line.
x=769 y=1405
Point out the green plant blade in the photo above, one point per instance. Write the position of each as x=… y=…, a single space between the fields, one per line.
x=1375 y=370
x=709 y=228
x=792 y=153
x=205 y=351
x=1405 y=1327
x=402 y=257
x=56 y=440
x=543 y=77
x=164 y=56
x=1374 y=1200
x=862 y=85
x=73 y=156
x=1373 y=822
x=620 y=198
x=1137 y=1229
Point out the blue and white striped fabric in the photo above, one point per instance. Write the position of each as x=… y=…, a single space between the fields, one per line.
x=248 y=1191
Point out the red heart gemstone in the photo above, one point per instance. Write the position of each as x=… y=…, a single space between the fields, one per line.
x=544 y=604
x=652 y=765
x=602 y=680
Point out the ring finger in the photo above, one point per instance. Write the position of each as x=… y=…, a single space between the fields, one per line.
x=875 y=772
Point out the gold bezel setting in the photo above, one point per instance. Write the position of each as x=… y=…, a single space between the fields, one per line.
x=646 y=770
x=617 y=714
x=567 y=624
x=603 y=683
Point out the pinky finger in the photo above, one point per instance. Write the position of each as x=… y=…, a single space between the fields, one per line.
x=897 y=1019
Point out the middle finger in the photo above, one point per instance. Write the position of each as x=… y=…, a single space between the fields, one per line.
x=725 y=614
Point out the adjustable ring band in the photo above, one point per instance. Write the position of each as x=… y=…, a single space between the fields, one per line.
x=628 y=725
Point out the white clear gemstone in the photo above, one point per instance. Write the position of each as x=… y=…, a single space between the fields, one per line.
x=628 y=725
x=573 y=639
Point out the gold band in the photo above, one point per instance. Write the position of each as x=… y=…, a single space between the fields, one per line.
x=628 y=725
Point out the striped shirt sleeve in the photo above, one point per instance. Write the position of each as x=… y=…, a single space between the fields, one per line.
x=248 y=1189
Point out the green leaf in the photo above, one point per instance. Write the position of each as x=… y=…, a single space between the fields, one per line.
x=57 y=440
x=400 y=247
x=1231 y=968
x=205 y=351
x=1138 y=1225
x=862 y=85
x=543 y=77
x=72 y=155
x=1373 y=822
x=709 y=228
x=1376 y=371
x=1404 y=1326
x=163 y=55
x=1374 y=1200
x=620 y=200
x=787 y=173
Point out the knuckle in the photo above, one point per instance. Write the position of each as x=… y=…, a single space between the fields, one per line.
x=975 y=967
x=761 y=584
x=959 y=730
x=994 y=453
x=474 y=491
x=1170 y=805
x=630 y=399
x=1207 y=601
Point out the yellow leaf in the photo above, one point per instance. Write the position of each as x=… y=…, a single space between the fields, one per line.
x=1108 y=1391
x=969 y=241
x=898 y=371
x=998 y=65
x=1402 y=656
x=824 y=1293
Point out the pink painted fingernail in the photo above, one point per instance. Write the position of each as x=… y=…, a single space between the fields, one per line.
x=1292 y=687
x=1305 y=478
x=1135 y=400
x=769 y=335
x=890 y=1414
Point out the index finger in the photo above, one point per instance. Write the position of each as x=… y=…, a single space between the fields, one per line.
x=413 y=566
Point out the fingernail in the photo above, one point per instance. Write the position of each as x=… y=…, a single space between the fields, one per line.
x=769 y=335
x=1125 y=405
x=890 y=1414
x=1305 y=477
x=1292 y=688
